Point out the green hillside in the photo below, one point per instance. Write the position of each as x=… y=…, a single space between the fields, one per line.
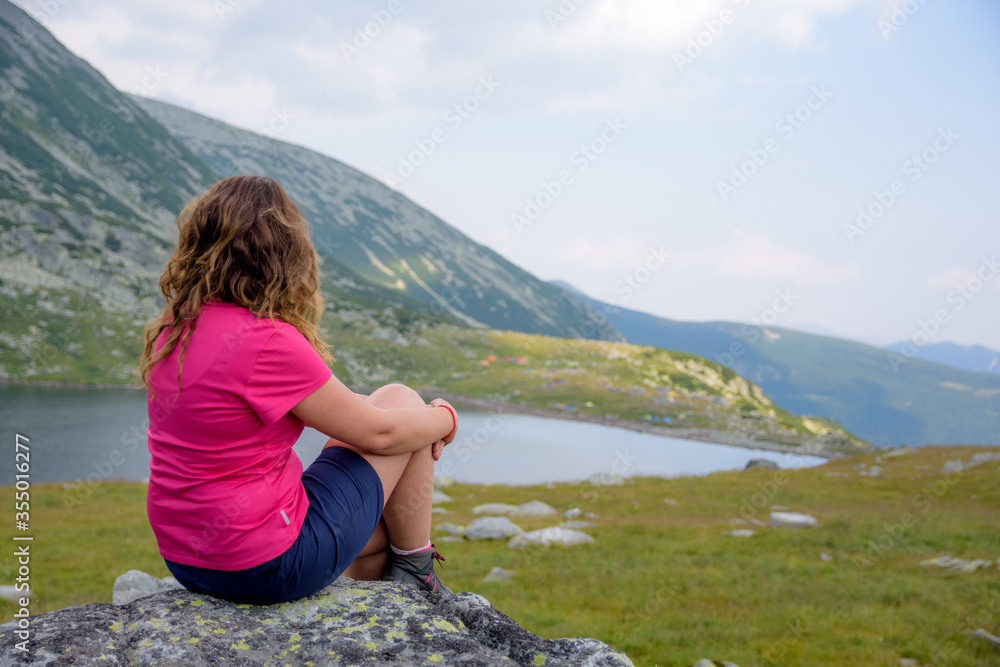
x=887 y=400
x=65 y=337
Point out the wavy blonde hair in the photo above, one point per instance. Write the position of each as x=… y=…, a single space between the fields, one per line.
x=244 y=242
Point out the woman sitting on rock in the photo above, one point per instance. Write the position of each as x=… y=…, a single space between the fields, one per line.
x=235 y=369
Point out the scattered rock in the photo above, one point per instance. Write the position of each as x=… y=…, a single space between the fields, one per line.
x=11 y=593
x=547 y=537
x=985 y=457
x=533 y=508
x=825 y=557
x=670 y=501
x=591 y=515
x=499 y=574
x=496 y=509
x=757 y=522
x=761 y=463
x=743 y=532
x=452 y=529
x=988 y=636
x=955 y=465
x=964 y=565
x=873 y=471
x=908 y=662
x=792 y=520
x=439 y=510
x=606 y=479
x=440 y=497
x=577 y=525
x=442 y=481
x=897 y=452
x=573 y=513
x=136 y=584
x=349 y=622
x=451 y=538
x=492 y=528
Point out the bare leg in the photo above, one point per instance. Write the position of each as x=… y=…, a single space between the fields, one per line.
x=408 y=483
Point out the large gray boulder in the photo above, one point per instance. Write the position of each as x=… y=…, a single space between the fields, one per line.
x=492 y=528
x=533 y=509
x=348 y=623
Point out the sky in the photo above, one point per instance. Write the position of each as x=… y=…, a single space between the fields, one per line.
x=824 y=165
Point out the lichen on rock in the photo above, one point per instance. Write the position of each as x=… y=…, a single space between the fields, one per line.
x=349 y=622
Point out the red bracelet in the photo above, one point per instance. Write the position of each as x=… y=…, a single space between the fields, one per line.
x=454 y=418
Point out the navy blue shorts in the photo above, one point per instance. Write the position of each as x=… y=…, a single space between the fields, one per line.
x=345 y=505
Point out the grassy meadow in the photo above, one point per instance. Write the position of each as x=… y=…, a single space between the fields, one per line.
x=663 y=582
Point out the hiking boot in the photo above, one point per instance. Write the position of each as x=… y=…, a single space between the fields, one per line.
x=417 y=569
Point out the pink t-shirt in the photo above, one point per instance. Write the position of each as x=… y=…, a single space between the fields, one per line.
x=225 y=487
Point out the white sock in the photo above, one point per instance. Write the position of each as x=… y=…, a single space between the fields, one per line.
x=400 y=552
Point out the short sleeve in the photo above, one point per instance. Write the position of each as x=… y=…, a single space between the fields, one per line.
x=286 y=370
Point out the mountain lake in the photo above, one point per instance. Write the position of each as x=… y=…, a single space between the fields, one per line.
x=93 y=435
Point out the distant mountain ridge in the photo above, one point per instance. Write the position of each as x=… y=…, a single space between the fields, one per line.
x=853 y=383
x=966 y=357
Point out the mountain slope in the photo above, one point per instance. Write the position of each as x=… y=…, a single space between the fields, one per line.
x=89 y=183
x=966 y=357
x=384 y=237
x=916 y=402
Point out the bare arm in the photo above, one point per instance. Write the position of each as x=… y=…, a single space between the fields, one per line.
x=336 y=411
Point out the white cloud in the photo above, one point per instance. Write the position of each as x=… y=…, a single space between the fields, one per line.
x=657 y=26
x=754 y=256
x=618 y=252
x=950 y=278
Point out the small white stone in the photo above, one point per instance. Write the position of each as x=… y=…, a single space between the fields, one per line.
x=743 y=532
x=533 y=508
x=988 y=636
x=494 y=509
x=450 y=529
x=499 y=574
x=792 y=520
x=12 y=594
x=549 y=536
x=136 y=584
x=606 y=479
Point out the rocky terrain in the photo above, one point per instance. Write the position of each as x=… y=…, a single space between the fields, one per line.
x=348 y=623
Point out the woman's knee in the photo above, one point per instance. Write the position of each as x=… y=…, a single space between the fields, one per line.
x=396 y=396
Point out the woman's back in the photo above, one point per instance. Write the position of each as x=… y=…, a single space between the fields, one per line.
x=224 y=485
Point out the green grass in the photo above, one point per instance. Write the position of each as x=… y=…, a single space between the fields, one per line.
x=664 y=583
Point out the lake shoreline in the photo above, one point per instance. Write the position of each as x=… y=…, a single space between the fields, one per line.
x=494 y=405
x=698 y=434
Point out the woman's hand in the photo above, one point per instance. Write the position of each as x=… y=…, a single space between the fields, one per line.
x=436 y=450
x=439 y=446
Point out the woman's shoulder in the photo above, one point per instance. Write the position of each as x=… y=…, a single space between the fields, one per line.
x=235 y=323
